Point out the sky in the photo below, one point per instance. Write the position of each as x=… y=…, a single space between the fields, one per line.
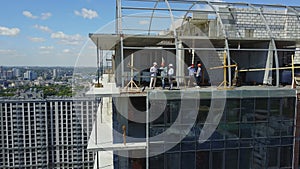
x=55 y=32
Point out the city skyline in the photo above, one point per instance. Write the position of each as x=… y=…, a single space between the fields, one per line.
x=55 y=33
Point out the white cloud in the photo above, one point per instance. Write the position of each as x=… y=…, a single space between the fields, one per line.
x=143 y=22
x=7 y=52
x=29 y=15
x=68 y=39
x=66 y=51
x=87 y=13
x=9 y=31
x=43 y=16
x=43 y=28
x=36 y=39
x=209 y=8
x=46 y=49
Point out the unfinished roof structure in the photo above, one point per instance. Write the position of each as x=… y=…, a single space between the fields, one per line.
x=253 y=36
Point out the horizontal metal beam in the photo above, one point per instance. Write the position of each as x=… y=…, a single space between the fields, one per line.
x=204 y=11
x=218 y=3
x=207 y=49
x=152 y=30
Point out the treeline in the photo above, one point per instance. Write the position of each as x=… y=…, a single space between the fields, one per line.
x=48 y=90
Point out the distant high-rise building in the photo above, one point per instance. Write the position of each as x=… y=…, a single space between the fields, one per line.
x=46 y=133
x=56 y=73
x=16 y=72
x=30 y=75
x=9 y=74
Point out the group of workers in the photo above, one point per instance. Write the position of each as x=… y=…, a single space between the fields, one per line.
x=164 y=73
x=195 y=74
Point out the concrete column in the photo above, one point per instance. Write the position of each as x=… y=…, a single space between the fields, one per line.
x=297 y=54
x=179 y=64
x=269 y=64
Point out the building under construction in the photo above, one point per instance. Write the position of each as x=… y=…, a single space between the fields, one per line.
x=243 y=115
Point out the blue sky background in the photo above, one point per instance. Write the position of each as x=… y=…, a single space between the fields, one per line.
x=55 y=32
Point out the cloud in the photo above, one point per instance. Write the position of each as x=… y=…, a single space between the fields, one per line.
x=207 y=7
x=46 y=49
x=29 y=15
x=66 y=51
x=7 y=52
x=87 y=13
x=143 y=22
x=36 y=39
x=43 y=28
x=43 y=16
x=9 y=31
x=68 y=39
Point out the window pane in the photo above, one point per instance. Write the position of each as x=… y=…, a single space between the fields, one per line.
x=157 y=162
x=273 y=157
x=245 y=130
x=261 y=110
x=231 y=159
x=247 y=110
x=173 y=160
x=217 y=159
x=288 y=108
x=245 y=158
x=188 y=160
x=203 y=111
x=286 y=154
x=275 y=104
x=202 y=160
x=232 y=110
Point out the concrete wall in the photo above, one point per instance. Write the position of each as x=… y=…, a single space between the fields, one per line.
x=247 y=23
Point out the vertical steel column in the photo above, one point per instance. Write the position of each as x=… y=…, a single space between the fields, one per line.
x=118 y=17
x=98 y=64
x=122 y=59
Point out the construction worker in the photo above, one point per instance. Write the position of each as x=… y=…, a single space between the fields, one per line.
x=191 y=75
x=198 y=74
x=153 y=74
x=163 y=73
x=170 y=75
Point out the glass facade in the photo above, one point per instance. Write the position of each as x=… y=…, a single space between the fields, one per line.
x=253 y=133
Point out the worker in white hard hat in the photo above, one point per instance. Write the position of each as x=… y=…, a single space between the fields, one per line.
x=153 y=74
x=170 y=75
x=163 y=73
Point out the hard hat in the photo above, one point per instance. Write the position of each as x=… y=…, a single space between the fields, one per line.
x=154 y=63
x=171 y=64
